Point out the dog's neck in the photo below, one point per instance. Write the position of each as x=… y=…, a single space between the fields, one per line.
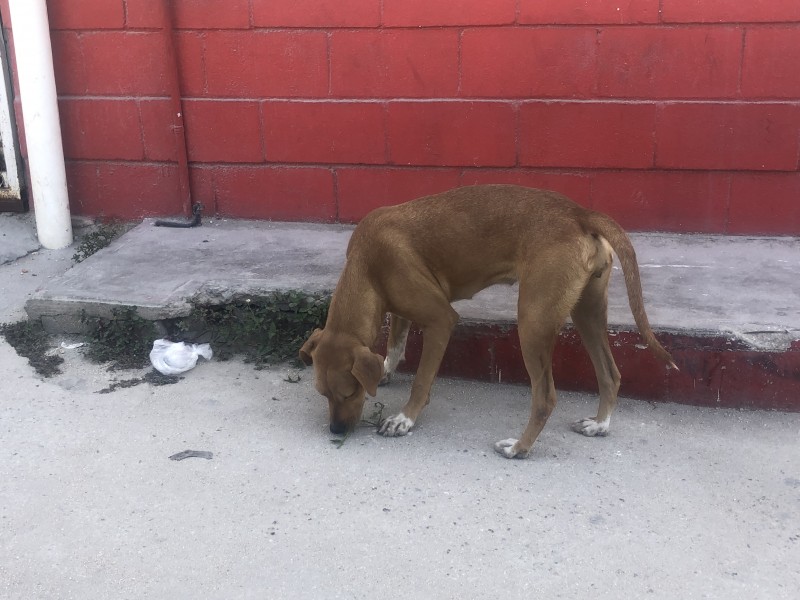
x=356 y=308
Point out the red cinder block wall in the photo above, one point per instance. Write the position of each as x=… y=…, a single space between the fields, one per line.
x=672 y=115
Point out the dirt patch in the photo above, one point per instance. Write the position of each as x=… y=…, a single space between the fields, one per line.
x=153 y=378
x=31 y=341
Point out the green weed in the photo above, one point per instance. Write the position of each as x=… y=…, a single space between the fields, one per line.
x=125 y=340
x=97 y=240
x=266 y=329
x=263 y=330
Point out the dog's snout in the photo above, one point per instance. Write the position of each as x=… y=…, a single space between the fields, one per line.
x=338 y=428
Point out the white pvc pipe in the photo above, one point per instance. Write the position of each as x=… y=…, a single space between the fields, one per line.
x=37 y=89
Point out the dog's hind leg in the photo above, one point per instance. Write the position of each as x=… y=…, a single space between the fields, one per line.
x=396 y=346
x=543 y=308
x=590 y=317
x=542 y=404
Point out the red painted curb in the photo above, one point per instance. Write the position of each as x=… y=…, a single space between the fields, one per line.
x=714 y=370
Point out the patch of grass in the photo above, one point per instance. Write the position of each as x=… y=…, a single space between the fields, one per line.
x=31 y=341
x=125 y=340
x=266 y=329
x=97 y=240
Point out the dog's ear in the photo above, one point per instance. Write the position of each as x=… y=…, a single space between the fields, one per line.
x=308 y=347
x=368 y=369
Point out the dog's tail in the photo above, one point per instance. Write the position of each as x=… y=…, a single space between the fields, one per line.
x=621 y=243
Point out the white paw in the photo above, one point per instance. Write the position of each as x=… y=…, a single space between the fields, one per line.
x=510 y=448
x=591 y=427
x=396 y=426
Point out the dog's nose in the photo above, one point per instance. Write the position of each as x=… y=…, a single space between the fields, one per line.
x=338 y=428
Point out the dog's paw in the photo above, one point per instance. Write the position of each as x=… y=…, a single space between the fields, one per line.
x=385 y=380
x=591 y=427
x=396 y=426
x=510 y=449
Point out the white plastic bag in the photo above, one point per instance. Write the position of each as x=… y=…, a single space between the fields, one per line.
x=171 y=358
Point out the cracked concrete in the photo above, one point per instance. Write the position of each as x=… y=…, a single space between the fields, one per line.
x=17 y=237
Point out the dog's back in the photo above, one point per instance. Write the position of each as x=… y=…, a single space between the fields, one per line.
x=471 y=237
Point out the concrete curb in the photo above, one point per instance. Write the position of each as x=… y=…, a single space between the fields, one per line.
x=726 y=307
x=715 y=370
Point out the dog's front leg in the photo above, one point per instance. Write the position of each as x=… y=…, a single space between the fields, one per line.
x=434 y=343
x=396 y=346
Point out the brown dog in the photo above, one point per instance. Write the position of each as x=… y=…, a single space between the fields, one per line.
x=414 y=259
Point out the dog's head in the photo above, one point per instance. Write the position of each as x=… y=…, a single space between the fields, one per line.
x=344 y=370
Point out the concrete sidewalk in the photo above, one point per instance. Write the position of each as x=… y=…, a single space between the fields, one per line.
x=720 y=303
